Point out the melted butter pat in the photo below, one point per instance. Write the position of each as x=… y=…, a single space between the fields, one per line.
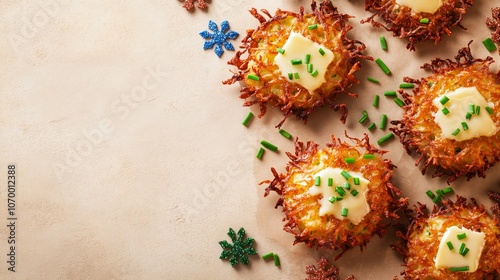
x=422 y=6
x=447 y=258
x=458 y=106
x=297 y=47
x=357 y=205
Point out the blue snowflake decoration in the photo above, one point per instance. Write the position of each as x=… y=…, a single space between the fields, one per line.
x=218 y=38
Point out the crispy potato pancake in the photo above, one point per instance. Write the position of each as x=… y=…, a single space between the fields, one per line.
x=405 y=23
x=418 y=130
x=302 y=209
x=421 y=242
x=260 y=48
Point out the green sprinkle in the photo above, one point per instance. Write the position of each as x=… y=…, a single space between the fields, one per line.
x=462 y=248
x=408 y=85
x=332 y=199
x=489 y=110
x=340 y=191
x=430 y=194
x=296 y=61
x=347 y=186
x=383 y=43
x=309 y=68
x=382 y=66
x=400 y=102
x=248 y=118
x=345 y=174
x=445 y=111
x=308 y=58
x=330 y=182
x=290 y=76
x=390 y=93
x=472 y=108
x=456 y=132
x=450 y=245
x=376 y=100
x=285 y=134
x=478 y=110
x=458 y=269
x=260 y=153
x=321 y=51
x=317 y=181
x=489 y=44
x=268 y=256
x=276 y=260
x=465 y=126
x=372 y=126
x=354 y=193
x=443 y=100
x=385 y=138
x=464 y=253
x=356 y=181
x=461 y=236
x=344 y=212
x=373 y=80
x=312 y=27
x=296 y=76
x=468 y=116
x=383 y=121
x=280 y=50
x=369 y=156
x=350 y=160
x=447 y=190
x=314 y=73
x=269 y=146
x=253 y=77
x=424 y=20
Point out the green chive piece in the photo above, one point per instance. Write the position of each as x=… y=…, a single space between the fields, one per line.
x=338 y=198
x=347 y=186
x=382 y=66
x=489 y=110
x=312 y=27
x=462 y=248
x=317 y=181
x=465 y=126
x=290 y=76
x=280 y=50
x=369 y=156
x=447 y=190
x=445 y=111
x=383 y=121
x=332 y=199
x=248 y=118
x=340 y=191
x=390 y=93
x=364 y=117
x=308 y=59
x=285 y=134
x=436 y=199
x=315 y=73
x=330 y=182
x=430 y=194
x=385 y=138
x=350 y=160
x=400 y=102
x=424 y=20
x=276 y=260
x=468 y=116
x=458 y=269
x=489 y=44
x=296 y=76
x=373 y=80
x=269 y=146
x=260 y=153
x=309 y=68
x=354 y=193
x=376 y=100
x=296 y=61
x=443 y=100
x=472 y=108
x=372 y=126
x=430 y=84
x=450 y=245
x=356 y=181
x=321 y=51
x=253 y=77
x=383 y=43
x=268 y=256
x=478 y=110
x=464 y=253
x=440 y=193
x=456 y=132
x=461 y=236
x=407 y=85
x=344 y=212
x=346 y=175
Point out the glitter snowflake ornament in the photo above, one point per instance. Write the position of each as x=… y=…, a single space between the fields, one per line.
x=218 y=38
x=238 y=251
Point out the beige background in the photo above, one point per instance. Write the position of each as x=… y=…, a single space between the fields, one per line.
x=132 y=161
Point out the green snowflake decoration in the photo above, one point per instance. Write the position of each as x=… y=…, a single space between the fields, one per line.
x=237 y=253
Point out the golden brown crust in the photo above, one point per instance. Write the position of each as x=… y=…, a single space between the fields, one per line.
x=417 y=130
x=302 y=209
x=324 y=271
x=494 y=24
x=421 y=242
x=404 y=23
x=260 y=47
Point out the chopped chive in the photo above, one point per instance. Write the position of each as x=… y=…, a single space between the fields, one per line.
x=356 y=181
x=276 y=260
x=447 y=190
x=350 y=160
x=424 y=20
x=450 y=245
x=248 y=118
x=269 y=146
x=285 y=134
x=440 y=193
x=308 y=59
x=443 y=100
x=345 y=174
x=296 y=76
x=465 y=126
x=489 y=110
x=382 y=66
x=373 y=80
x=364 y=117
x=376 y=100
x=312 y=26
x=317 y=181
x=400 y=102
x=280 y=50
x=468 y=116
x=338 y=198
x=330 y=182
x=253 y=77
x=314 y=73
x=347 y=186
x=461 y=236
x=383 y=43
x=372 y=126
x=354 y=193
x=436 y=199
x=456 y=132
x=489 y=44
x=290 y=76
x=462 y=248
x=309 y=68
x=340 y=191
x=464 y=253
x=332 y=199
x=260 y=153
x=390 y=93
x=445 y=111
x=430 y=194
x=458 y=269
x=430 y=84
x=344 y=212
x=368 y=156
x=383 y=121
x=472 y=108
x=268 y=256
x=385 y=138
x=296 y=61
x=321 y=51
x=407 y=85
x=478 y=110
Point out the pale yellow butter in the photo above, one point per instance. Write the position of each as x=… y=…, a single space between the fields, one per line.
x=421 y=6
x=474 y=241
